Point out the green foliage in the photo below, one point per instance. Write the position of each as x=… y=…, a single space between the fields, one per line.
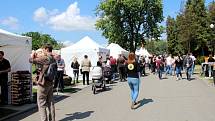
x=156 y=47
x=189 y=31
x=211 y=31
x=200 y=59
x=38 y=40
x=125 y=22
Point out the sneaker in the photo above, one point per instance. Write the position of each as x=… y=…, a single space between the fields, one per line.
x=177 y=79
x=138 y=102
x=132 y=106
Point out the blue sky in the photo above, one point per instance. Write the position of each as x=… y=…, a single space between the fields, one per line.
x=65 y=20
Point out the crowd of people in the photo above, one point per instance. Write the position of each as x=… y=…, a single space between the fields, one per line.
x=129 y=69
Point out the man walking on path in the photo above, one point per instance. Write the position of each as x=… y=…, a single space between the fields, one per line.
x=188 y=66
x=193 y=65
x=45 y=86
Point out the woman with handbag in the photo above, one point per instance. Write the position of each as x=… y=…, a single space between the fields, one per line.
x=75 y=66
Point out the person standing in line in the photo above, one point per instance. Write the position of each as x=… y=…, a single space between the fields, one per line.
x=178 y=67
x=45 y=86
x=133 y=77
x=75 y=66
x=85 y=66
x=59 y=82
x=4 y=69
x=113 y=67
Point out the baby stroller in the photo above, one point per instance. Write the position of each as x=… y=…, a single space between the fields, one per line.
x=107 y=74
x=97 y=77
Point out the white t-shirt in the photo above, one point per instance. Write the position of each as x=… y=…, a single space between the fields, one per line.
x=60 y=63
x=169 y=60
x=193 y=58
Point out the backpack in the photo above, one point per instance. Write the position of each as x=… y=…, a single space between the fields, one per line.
x=51 y=72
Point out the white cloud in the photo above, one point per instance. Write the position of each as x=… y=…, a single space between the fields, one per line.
x=11 y=22
x=40 y=15
x=68 y=20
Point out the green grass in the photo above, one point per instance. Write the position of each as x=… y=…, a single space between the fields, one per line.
x=198 y=69
x=34 y=90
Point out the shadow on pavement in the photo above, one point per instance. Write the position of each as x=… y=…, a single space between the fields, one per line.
x=77 y=115
x=143 y=102
x=164 y=78
x=57 y=98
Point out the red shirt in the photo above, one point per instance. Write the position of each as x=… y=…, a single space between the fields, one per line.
x=158 y=63
x=112 y=61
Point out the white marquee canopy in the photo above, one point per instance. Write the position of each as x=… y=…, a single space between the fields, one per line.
x=17 y=50
x=85 y=46
x=115 y=50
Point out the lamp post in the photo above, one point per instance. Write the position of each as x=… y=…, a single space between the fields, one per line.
x=212 y=41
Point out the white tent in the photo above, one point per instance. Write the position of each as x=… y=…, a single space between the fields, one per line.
x=85 y=46
x=115 y=50
x=17 y=50
x=142 y=52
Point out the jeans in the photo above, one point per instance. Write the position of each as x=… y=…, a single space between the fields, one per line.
x=134 y=86
x=76 y=74
x=159 y=73
x=192 y=68
x=178 y=71
x=59 y=83
x=169 y=69
x=188 y=72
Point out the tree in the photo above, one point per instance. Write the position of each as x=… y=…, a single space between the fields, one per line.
x=38 y=40
x=125 y=22
x=157 y=47
x=211 y=31
x=191 y=31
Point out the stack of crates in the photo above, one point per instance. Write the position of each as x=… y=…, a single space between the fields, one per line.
x=20 y=87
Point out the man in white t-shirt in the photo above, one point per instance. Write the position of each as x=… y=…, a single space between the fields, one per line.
x=169 y=62
x=193 y=65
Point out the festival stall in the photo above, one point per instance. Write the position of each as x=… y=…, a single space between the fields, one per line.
x=17 y=50
x=115 y=50
x=85 y=46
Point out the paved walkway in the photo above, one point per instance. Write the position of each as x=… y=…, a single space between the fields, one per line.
x=161 y=100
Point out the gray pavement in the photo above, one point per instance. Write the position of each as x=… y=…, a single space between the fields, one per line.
x=161 y=100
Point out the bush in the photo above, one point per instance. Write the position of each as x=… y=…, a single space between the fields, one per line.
x=200 y=60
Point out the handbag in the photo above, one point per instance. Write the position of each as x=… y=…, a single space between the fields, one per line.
x=81 y=71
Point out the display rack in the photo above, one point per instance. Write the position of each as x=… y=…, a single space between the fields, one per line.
x=20 y=87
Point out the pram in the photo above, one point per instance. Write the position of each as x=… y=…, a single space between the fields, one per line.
x=98 y=80
x=107 y=74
